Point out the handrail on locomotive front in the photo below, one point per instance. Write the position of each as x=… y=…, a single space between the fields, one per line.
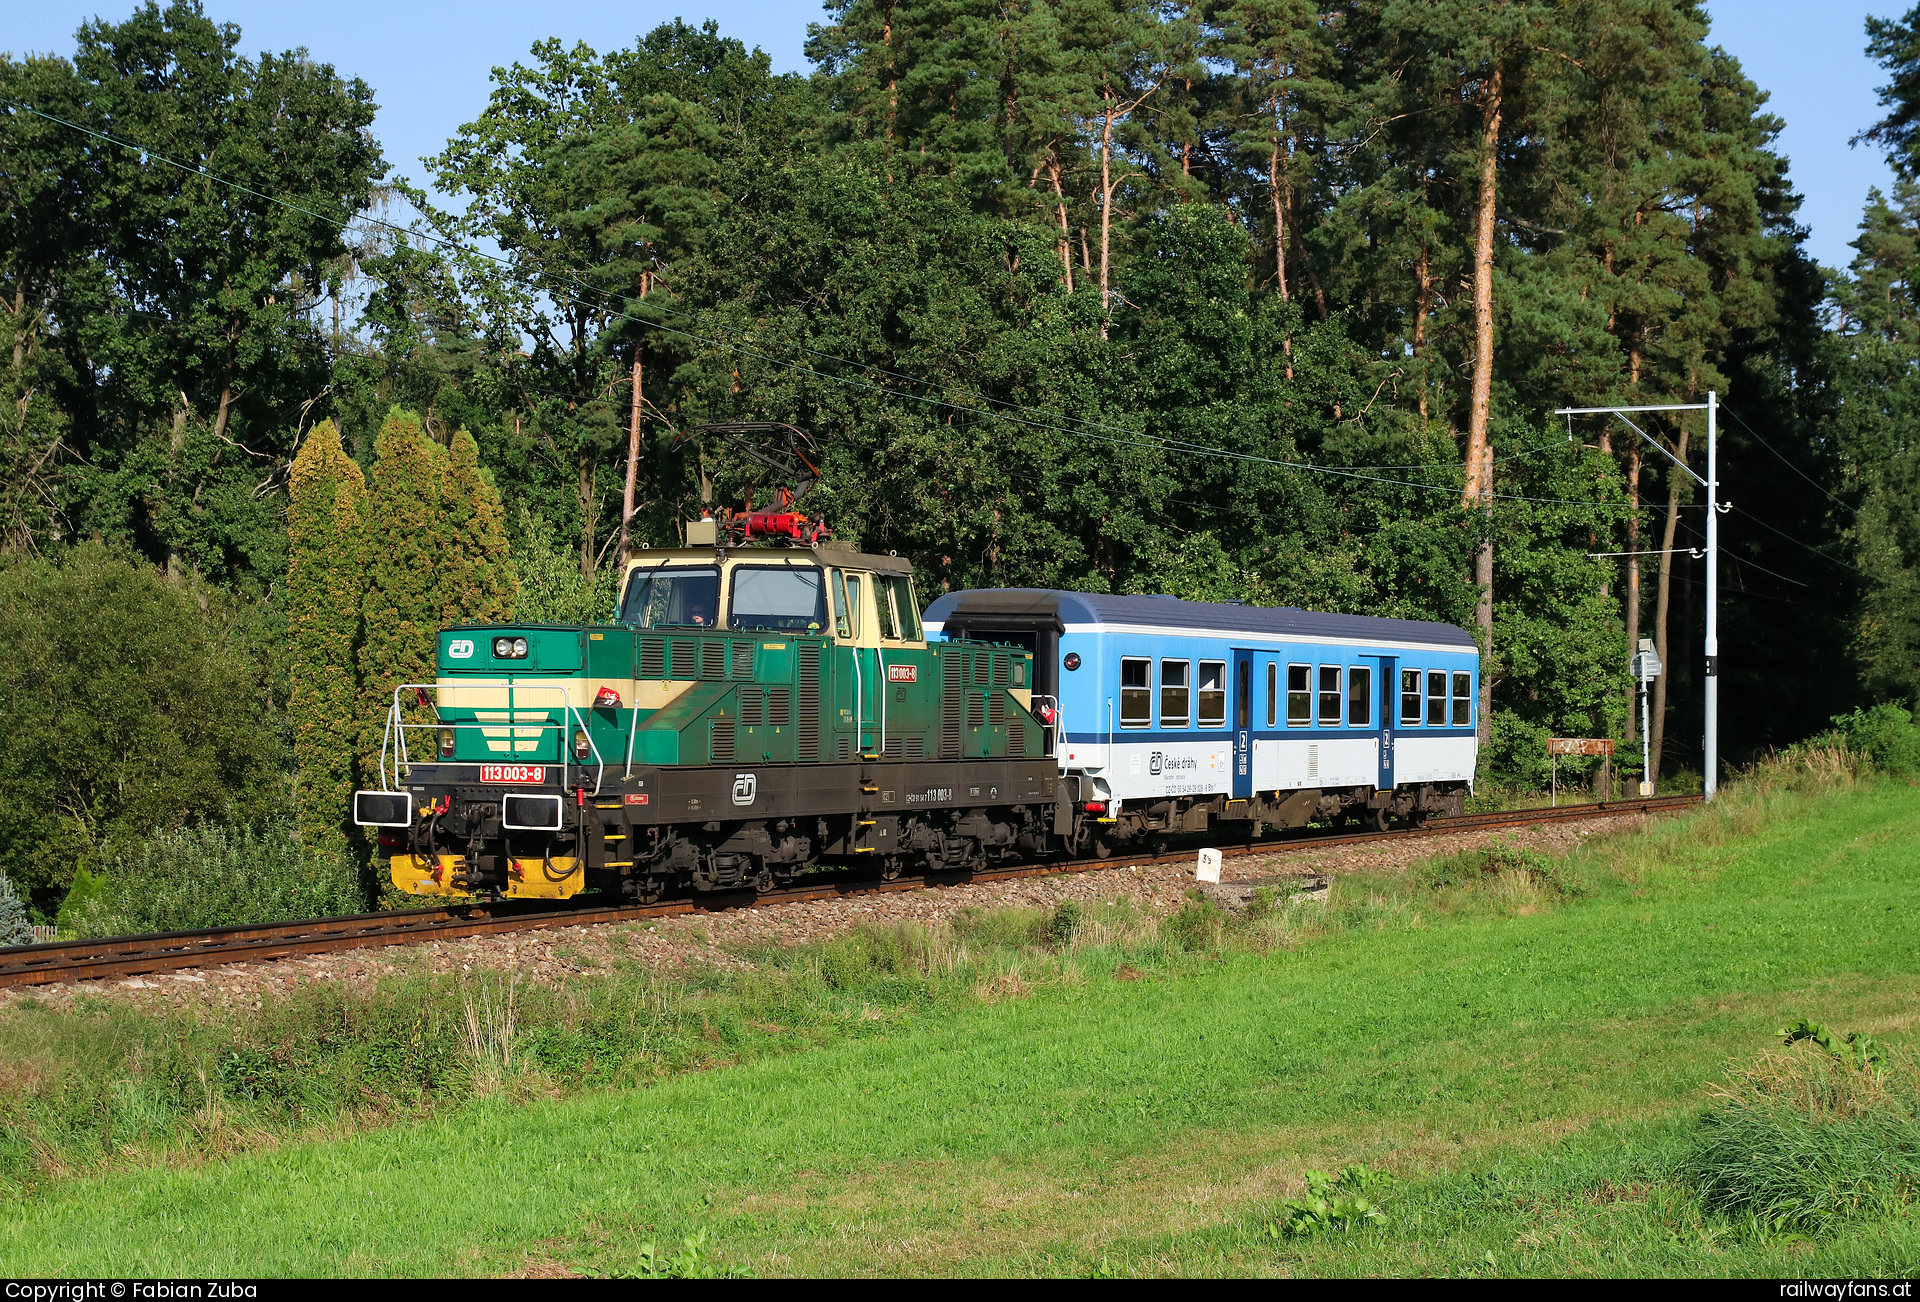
x=394 y=739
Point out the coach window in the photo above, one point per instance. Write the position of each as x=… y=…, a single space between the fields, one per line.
x=1173 y=693
x=1409 y=698
x=1436 y=698
x=1213 y=693
x=1329 y=696
x=1136 y=697
x=1359 y=697
x=1273 y=693
x=1299 y=698
x=1462 y=700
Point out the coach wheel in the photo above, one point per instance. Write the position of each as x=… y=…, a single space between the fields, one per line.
x=1381 y=822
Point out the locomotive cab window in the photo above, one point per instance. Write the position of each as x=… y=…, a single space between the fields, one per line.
x=1409 y=698
x=1329 y=696
x=1173 y=693
x=855 y=609
x=883 y=608
x=786 y=599
x=1436 y=698
x=1462 y=700
x=1299 y=698
x=1273 y=693
x=677 y=597
x=907 y=606
x=1136 y=697
x=1213 y=693
x=1359 y=697
x=846 y=605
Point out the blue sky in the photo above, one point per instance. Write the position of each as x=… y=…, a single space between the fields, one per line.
x=429 y=65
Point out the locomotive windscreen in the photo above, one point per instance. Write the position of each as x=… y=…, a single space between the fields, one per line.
x=681 y=596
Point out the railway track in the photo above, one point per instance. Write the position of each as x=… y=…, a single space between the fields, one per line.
x=124 y=956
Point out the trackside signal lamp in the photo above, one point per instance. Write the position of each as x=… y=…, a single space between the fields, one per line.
x=581 y=746
x=509 y=648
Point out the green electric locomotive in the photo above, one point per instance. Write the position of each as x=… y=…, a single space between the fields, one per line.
x=757 y=710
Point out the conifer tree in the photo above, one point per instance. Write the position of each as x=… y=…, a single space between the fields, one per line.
x=326 y=578
x=16 y=928
x=409 y=542
x=478 y=580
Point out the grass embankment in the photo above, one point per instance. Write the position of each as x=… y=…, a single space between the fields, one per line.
x=1529 y=1053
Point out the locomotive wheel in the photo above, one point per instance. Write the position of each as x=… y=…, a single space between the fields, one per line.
x=763 y=881
x=890 y=867
x=1381 y=822
x=647 y=890
x=1100 y=848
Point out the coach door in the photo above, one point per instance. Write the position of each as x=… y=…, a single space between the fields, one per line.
x=1242 y=724
x=1385 y=674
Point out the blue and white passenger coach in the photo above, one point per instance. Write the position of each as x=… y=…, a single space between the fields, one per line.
x=1172 y=714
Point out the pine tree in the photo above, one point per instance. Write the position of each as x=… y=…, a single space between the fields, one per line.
x=326 y=580
x=409 y=542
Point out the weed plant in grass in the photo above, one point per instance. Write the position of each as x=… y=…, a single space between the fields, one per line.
x=1805 y=1139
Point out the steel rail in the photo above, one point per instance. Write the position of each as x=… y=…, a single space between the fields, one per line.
x=123 y=956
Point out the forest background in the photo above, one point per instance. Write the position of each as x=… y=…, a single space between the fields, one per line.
x=1232 y=299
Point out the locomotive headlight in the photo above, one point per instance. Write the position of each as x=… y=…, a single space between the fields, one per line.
x=509 y=648
x=581 y=746
x=446 y=743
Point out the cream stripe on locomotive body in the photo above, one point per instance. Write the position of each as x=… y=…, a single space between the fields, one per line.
x=1175 y=714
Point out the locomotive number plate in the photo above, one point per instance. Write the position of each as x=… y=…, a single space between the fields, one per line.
x=903 y=673
x=513 y=773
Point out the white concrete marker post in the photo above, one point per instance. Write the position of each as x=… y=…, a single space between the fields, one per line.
x=1208 y=869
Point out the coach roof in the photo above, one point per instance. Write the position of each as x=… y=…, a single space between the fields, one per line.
x=1026 y=607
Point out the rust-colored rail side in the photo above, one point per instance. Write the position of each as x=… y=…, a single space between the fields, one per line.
x=120 y=956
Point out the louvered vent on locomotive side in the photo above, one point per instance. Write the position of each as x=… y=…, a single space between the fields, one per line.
x=723 y=741
x=1017 y=737
x=976 y=711
x=653 y=658
x=779 y=701
x=916 y=748
x=713 y=660
x=806 y=740
x=997 y=709
x=743 y=660
x=999 y=668
x=685 y=654
x=952 y=681
x=751 y=712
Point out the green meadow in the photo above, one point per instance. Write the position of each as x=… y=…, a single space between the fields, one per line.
x=1524 y=1048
